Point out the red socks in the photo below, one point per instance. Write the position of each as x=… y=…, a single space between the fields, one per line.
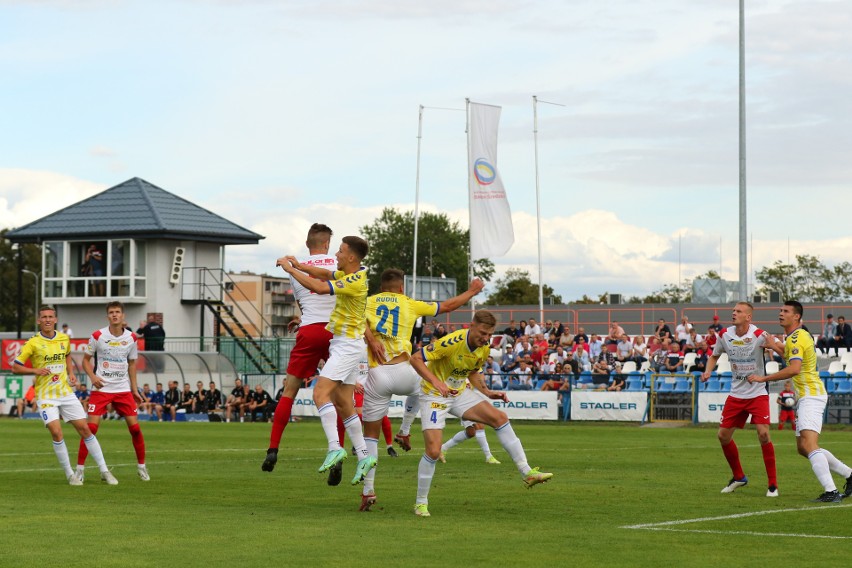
x=280 y=420
x=387 y=430
x=83 y=452
x=769 y=461
x=733 y=457
x=138 y=442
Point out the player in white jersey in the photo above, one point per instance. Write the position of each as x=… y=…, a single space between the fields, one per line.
x=312 y=341
x=114 y=382
x=48 y=352
x=745 y=343
x=390 y=319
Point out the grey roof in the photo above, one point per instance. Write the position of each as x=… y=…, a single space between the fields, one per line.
x=134 y=209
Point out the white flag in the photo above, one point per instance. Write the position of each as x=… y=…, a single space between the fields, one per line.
x=491 y=232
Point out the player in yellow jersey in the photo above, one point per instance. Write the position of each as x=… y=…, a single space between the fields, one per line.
x=446 y=366
x=391 y=316
x=800 y=354
x=48 y=351
x=335 y=388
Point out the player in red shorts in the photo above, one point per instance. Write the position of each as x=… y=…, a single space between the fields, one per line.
x=114 y=382
x=745 y=343
x=312 y=342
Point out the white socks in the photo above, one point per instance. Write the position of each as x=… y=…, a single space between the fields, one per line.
x=425 y=472
x=370 y=480
x=819 y=463
x=328 y=419
x=512 y=444
x=94 y=448
x=454 y=441
x=61 y=451
x=412 y=407
x=483 y=443
x=836 y=465
x=356 y=435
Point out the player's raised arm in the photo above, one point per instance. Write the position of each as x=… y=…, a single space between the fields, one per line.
x=289 y=264
x=476 y=286
x=315 y=271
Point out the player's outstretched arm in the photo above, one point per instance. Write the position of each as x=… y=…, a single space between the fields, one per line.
x=792 y=369
x=454 y=303
x=315 y=271
x=19 y=369
x=312 y=284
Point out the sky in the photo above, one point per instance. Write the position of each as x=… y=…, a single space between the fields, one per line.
x=276 y=115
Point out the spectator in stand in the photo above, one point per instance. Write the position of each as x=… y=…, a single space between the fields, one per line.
x=682 y=331
x=559 y=328
x=624 y=350
x=67 y=330
x=581 y=332
x=532 y=328
x=700 y=363
x=694 y=342
x=560 y=354
x=640 y=350
x=82 y=394
x=540 y=340
x=187 y=400
x=829 y=330
x=259 y=404
x=172 y=400
x=674 y=358
x=552 y=342
x=200 y=401
x=596 y=346
x=570 y=365
x=716 y=326
x=566 y=339
x=521 y=378
x=439 y=332
x=511 y=330
x=426 y=338
x=510 y=361
x=710 y=339
x=581 y=343
x=523 y=348
x=555 y=379
x=532 y=364
x=493 y=374
x=617 y=383
x=601 y=370
x=235 y=400
x=662 y=331
x=616 y=332
x=583 y=359
x=842 y=336
x=213 y=399
x=158 y=400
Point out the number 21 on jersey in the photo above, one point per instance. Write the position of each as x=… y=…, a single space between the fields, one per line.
x=384 y=313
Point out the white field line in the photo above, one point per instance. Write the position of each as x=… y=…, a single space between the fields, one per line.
x=92 y=467
x=666 y=525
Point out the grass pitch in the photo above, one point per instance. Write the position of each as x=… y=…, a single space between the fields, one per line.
x=622 y=495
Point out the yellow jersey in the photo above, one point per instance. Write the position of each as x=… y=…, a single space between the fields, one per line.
x=50 y=353
x=451 y=360
x=800 y=345
x=348 y=318
x=391 y=317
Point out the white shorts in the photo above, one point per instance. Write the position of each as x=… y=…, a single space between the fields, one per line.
x=434 y=408
x=809 y=414
x=68 y=407
x=385 y=381
x=467 y=423
x=347 y=359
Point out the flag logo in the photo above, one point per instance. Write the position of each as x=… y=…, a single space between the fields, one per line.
x=483 y=172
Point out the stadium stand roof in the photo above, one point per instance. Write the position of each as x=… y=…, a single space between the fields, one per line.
x=134 y=209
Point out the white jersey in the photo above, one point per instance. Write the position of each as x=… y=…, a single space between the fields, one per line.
x=111 y=356
x=746 y=356
x=315 y=307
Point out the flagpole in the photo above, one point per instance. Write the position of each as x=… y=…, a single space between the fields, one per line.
x=413 y=292
x=469 y=198
x=538 y=205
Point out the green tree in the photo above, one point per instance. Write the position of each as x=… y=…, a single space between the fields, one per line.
x=9 y=288
x=442 y=247
x=517 y=288
x=809 y=280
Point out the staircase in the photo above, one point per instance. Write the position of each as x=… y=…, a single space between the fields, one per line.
x=210 y=288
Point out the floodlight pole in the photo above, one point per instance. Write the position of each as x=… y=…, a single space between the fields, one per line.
x=743 y=217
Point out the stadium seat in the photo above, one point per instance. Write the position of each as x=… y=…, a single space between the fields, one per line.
x=824 y=375
x=723 y=358
x=725 y=385
x=645 y=366
x=712 y=385
x=834 y=367
x=634 y=384
x=846 y=358
x=689 y=361
x=723 y=366
x=842 y=386
x=840 y=375
x=683 y=385
x=628 y=367
x=665 y=386
x=772 y=367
